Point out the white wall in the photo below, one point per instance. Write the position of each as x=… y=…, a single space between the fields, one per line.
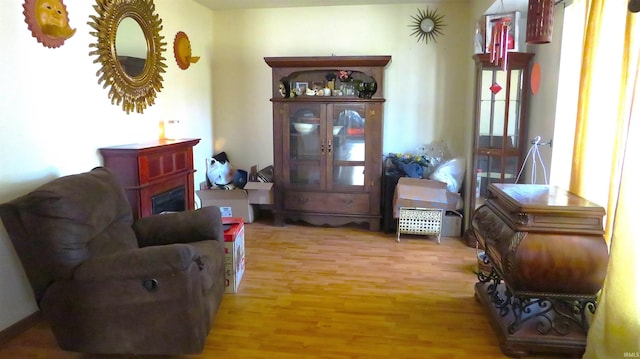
x=54 y=115
x=542 y=114
x=428 y=88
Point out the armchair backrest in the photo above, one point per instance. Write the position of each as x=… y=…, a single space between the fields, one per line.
x=62 y=223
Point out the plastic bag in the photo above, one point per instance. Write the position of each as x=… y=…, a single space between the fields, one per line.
x=450 y=172
x=434 y=153
x=219 y=173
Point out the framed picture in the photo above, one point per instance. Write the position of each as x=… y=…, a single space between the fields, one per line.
x=491 y=20
x=301 y=88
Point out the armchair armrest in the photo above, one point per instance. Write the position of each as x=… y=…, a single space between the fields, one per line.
x=180 y=227
x=139 y=263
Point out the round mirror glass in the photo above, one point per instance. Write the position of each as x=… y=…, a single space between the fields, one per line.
x=427 y=25
x=131 y=47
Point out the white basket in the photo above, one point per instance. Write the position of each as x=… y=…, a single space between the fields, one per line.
x=420 y=221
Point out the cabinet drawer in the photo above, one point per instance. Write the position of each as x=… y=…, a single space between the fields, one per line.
x=327 y=202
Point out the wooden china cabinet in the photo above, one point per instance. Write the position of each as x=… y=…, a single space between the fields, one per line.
x=501 y=112
x=327 y=138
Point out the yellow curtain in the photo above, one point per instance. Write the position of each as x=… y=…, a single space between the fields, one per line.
x=608 y=97
x=593 y=13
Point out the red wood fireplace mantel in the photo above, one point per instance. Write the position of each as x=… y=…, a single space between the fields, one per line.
x=152 y=168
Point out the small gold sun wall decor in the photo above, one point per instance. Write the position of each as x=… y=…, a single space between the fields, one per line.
x=182 y=51
x=427 y=25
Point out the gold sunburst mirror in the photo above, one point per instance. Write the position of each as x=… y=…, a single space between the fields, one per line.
x=133 y=75
x=427 y=25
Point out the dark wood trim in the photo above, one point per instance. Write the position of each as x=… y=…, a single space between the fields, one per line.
x=324 y=61
x=20 y=327
x=327 y=99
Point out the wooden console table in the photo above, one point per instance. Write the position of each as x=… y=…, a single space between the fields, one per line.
x=548 y=260
x=152 y=168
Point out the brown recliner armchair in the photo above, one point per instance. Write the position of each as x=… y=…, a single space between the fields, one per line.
x=109 y=285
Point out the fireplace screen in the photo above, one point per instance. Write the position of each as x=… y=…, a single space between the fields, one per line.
x=169 y=201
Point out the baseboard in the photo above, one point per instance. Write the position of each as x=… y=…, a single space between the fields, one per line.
x=19 y=327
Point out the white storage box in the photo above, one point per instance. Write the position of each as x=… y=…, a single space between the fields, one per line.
x=420 y=221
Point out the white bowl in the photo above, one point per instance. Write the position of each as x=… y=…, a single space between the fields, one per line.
x=305 y=128
x=336 y=129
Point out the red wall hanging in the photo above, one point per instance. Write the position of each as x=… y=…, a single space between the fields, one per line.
x=540 y=21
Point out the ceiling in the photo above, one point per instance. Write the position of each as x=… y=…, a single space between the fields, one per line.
x=254 y=4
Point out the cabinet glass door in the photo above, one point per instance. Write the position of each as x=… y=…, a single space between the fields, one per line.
x=347 y=138
x=498 y=154
x=494 y=169
x=306 y=144
x=500 y=109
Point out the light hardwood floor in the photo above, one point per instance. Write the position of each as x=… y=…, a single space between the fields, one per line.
x=316 y=292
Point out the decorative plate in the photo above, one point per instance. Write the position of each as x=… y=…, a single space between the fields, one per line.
x=182 y=51
x=535 y=78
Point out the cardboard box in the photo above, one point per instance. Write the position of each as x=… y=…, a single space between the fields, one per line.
x=423 y=193
x=232 y=203
x=233 y=253
x=452 y=224
x=259 y=192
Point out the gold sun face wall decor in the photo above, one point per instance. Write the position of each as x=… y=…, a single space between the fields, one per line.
x=133 y=93
x=48 y=21
x=427 y=25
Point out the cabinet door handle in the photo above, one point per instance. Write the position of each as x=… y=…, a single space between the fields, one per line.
x=303 y=200
x=347 y=202
x=329 y=146
x=322 y=146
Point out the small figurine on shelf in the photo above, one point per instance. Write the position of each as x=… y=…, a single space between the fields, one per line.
x=284 y=86
x=345 y=75
x=331 y=80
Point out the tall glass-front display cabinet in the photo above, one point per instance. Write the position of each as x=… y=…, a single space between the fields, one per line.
x=500 y=124
x=327 y=138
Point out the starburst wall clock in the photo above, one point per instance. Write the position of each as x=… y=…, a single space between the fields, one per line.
x=427 y=25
